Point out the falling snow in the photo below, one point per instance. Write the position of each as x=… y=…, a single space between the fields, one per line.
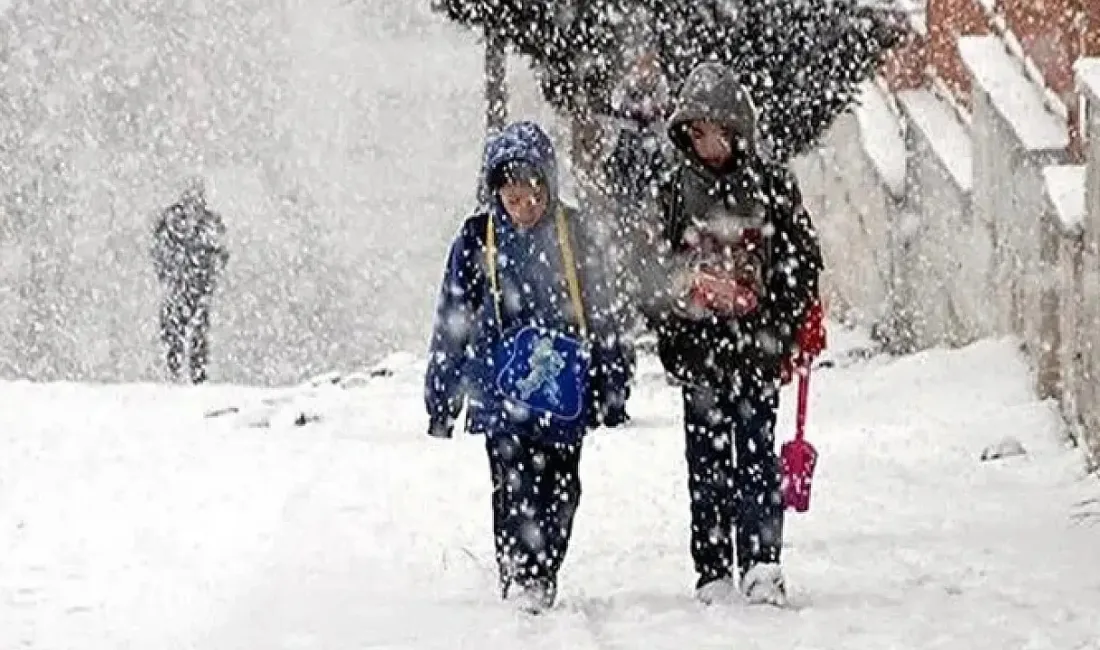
x=259 y=193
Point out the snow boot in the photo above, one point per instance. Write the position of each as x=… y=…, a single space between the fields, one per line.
x=720 y=591
x=531 y=598
x=763 y=584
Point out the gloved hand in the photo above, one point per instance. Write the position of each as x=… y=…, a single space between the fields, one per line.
x=680 y=289
x=610 y=418
x=723 y=295
x=442 y=430
x=608 y=411
x=615 y=416
x=809 y=342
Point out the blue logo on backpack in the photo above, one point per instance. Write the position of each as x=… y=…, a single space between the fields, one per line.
x=543 y=373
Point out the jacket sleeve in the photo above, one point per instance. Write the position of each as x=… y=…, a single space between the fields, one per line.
x=797 y=264
x=611 y=358
x=663 y=262
x=453 y=333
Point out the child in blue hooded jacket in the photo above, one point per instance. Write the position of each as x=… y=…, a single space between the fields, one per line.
x=524 y=339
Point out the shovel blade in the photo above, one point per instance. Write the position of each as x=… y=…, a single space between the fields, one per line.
x=799 y=460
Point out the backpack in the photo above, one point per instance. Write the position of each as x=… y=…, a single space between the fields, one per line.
x=539 y=373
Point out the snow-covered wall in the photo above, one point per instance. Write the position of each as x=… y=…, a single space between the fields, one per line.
x=1088 y=75
x=1081 y=327
x=951 y=249
x=852 y=185
x=853 y=233
x=994 y=234
x=1018 y=138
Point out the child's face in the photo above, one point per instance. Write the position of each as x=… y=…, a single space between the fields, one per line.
x=525 y=201
x=711 y=143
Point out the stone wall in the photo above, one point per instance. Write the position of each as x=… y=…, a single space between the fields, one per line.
x=854 y=189
x=1079 y=286
x=993 y=233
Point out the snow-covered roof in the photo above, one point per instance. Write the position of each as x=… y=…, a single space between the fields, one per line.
x=949 y=138
x=1065 y=186
x=1013 y=95
x=1088 y=77
x=882 y=136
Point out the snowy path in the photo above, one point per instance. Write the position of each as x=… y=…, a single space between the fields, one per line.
x=128 y=521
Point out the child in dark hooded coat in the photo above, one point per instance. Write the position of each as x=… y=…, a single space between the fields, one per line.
x=525 y=341
x=730 y=303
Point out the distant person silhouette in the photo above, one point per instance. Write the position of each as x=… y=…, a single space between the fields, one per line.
x=188 y=254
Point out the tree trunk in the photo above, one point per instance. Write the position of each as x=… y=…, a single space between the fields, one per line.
x=496 y=94
x=496 y=84
x=585 y=153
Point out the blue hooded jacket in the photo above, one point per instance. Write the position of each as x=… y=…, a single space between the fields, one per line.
x=534 y=291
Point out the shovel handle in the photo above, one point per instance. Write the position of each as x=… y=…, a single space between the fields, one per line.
x=803 y=403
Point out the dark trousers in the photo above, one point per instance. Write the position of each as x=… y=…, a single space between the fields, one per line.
x=736 y=500
x=184 y=323
x=536 y=489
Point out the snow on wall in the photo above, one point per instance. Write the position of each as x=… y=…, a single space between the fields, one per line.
x=1082 y=334
x=883 y=140
x=1083 y=328
x=1065 y=335
x=947 y=137
x=912 y=268
x=1020 y=102
x=852 y=209
x=1088 y=77
x=1072 y=364
x=1019 y=138
x=954 y=250
x=1065 y=188
x=1088 y=80
x=853 y=184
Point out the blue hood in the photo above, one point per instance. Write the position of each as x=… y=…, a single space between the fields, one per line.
x=520 y=142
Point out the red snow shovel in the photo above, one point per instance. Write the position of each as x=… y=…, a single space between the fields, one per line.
x=798 y=457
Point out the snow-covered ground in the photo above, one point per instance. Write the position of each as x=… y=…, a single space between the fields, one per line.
x=130 y=520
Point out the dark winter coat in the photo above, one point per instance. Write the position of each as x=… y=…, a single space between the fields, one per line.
x=188 y=246
x=639 y=104
x=634 y=164
x=749 y=195
x=534 y=288
x=633 y=173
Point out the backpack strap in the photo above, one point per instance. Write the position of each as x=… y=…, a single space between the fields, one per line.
x=565 y=243
x=568 y=259
x=491 y=260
